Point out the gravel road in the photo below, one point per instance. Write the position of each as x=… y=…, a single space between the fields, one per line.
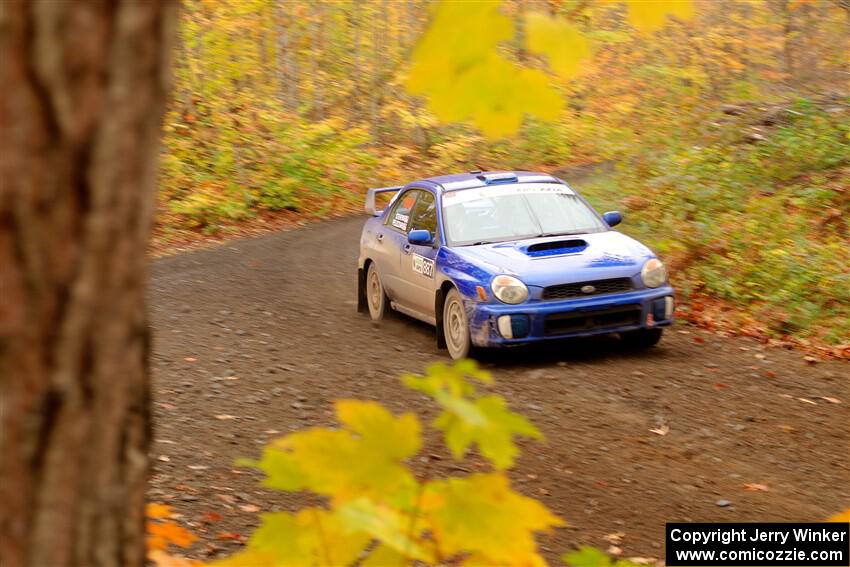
x=255 y=338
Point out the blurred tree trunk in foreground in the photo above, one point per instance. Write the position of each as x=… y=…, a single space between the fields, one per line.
x=84 y=87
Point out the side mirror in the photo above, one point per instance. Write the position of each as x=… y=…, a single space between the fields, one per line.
x=420 y=237
x=613 y=218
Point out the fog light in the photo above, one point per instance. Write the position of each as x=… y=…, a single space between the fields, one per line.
x=505 y=327
x=514 y=326
x=669 y=306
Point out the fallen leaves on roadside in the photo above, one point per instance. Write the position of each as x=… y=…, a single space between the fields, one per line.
x=810 y=359
x=755 y=487
x=788 y=429
x=643 y=560
x=225 y=416
x=841 y=516
x=614 y=550
x=720 y=386
x=616 y=538
x=163 y=559
x=164 y=458
x=190 y=359
x=770 y=373
x=157 y=511
x=829 y=399
x=807 y=401
x=249 y=508
x=160 y=534
x=229 y=536
x=661 y=430
x=211 y=517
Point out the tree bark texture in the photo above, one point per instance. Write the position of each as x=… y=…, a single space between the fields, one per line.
x=82 y=97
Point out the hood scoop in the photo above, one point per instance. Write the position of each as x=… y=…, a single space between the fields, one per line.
x=555 y=247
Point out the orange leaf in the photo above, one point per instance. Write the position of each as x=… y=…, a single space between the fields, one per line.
x=755 y=487
x=169 y=532
x=211 y=517
x=157 y=511
x=841 y=516
x=162 y=559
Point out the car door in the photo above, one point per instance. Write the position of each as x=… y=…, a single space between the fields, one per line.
x=390 y=237
x=418 y=263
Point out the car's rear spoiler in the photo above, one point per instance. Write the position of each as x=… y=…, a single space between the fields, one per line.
x=370 y=198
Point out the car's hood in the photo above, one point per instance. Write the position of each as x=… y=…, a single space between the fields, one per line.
x=562 y=259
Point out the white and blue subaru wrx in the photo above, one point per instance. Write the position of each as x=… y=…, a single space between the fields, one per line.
x=497 y=259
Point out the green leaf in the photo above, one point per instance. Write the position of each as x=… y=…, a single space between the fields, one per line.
x=587 y=556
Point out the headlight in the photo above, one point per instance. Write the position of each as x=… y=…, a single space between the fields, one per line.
x=653 y=273
x=508 y=289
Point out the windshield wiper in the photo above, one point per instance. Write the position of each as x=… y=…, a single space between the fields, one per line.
x=567 y=233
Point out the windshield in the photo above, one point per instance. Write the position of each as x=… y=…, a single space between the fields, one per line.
x=513 y=212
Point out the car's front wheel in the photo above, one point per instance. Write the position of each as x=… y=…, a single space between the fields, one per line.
x=376 y=297
x=456 y=326
x=642 y=338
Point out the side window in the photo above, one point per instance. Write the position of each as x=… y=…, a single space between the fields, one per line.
x=424 y=214
x=399 y=217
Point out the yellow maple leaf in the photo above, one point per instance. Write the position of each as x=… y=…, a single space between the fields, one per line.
x=494 y=433
x=313 y=536
x=363 y=459
x=651 y=15
x=386 y=524
x=465 y=78
x=385 y=556
x=561 y=42
x=482 y=516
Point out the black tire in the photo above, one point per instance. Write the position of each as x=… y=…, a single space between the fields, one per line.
x=456 y=326
x=376 y=297
x=642 y=338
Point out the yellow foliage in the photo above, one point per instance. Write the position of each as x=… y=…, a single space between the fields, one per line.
x=466 y=79
x=386 y=524
x=364 y=458
x=560 y=41
x=313 y=536
x=483 y=516
x=651 y=15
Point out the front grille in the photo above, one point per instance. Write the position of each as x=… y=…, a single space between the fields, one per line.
x=600 y=287
x=577 y=321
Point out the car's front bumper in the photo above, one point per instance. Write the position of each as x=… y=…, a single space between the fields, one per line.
x=558 y=319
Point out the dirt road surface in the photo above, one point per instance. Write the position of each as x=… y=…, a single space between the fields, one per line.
x=255 y=338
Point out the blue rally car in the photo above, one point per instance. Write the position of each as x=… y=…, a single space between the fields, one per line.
x=505 y=258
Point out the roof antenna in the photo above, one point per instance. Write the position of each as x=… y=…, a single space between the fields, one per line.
x=478 y=169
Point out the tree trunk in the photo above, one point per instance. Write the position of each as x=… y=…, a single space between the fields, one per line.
x=84 y=86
